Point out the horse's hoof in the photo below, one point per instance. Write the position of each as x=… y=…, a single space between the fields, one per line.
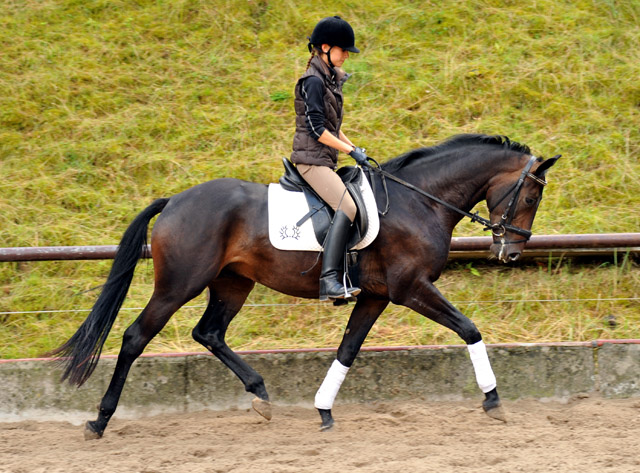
x=326 y=427
x=262 y=407
x=327 y=419
x=497 y=413
x=493 y=407
x=90 y=433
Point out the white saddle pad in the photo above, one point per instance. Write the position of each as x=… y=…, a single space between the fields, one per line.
x=286 y=208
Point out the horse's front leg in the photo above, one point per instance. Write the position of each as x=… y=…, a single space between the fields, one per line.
x=423 y=297
x=364 y=315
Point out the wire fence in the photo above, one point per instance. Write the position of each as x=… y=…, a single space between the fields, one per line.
x=312 y=304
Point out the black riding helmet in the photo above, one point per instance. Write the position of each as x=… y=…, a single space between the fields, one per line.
x=333 y=31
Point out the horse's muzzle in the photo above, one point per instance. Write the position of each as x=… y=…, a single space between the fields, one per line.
x=507 y=252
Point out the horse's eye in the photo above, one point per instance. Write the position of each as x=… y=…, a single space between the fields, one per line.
x=529 y=201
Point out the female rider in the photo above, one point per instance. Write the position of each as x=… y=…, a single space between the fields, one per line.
x=318 y=139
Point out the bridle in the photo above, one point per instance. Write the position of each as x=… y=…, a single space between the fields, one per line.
x=498 y=229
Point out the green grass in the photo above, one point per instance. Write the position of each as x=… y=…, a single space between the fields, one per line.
x=106 y=105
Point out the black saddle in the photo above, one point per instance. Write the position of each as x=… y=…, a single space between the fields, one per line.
x=320 y=213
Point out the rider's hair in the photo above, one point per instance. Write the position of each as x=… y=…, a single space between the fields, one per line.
x=315 y=51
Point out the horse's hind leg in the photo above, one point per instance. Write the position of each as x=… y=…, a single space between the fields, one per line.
x=151 y=320
x=228 y=294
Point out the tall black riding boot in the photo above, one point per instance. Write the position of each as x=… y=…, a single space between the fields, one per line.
x=331 y=286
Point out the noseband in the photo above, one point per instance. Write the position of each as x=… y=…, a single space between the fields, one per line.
x=499 y=229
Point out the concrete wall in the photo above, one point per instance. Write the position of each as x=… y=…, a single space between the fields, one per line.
x=31 y=390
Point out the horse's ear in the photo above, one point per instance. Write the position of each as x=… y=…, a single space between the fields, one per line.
x=544 y=167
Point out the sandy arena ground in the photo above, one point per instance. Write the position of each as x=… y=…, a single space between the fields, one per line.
x=587 y=434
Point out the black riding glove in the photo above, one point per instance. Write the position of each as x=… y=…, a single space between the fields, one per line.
x=360 y=156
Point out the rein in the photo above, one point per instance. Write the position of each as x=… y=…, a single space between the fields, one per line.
x=498 y=229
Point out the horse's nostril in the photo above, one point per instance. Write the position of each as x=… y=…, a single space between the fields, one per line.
x=514 y=256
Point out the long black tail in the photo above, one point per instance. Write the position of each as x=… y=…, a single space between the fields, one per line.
x=81 y=353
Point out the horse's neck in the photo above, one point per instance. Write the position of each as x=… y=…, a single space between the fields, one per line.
x=461 y=182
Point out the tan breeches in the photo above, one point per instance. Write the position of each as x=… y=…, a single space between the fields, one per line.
x=329 y=187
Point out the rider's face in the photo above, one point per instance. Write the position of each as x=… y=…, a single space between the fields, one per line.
x=338 y=55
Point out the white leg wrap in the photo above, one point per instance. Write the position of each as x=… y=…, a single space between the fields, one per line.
x=331 y=385
x=484 y=374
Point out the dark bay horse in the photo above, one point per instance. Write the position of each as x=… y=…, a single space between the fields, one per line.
x=215 y=235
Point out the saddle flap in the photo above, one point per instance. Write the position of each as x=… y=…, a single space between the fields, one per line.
x=352 y=177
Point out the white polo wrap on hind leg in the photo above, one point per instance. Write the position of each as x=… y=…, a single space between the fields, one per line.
x=484 y=374
x=331 y=385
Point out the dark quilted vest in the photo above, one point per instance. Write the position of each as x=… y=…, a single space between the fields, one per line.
x=306 y=150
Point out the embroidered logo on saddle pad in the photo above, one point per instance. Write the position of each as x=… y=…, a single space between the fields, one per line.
x=292 y=220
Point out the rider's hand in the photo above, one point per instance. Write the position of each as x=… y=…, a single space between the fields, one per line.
x=360 y=156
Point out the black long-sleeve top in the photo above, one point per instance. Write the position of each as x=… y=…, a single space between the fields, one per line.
x=312 y=93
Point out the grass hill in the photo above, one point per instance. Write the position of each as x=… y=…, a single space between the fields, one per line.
x=108 y=104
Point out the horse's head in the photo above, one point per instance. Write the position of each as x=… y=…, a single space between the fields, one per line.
x=513 y=200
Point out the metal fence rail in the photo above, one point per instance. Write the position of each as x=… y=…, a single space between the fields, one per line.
x=589 y=244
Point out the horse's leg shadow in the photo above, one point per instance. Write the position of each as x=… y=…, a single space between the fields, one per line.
x=226 y=298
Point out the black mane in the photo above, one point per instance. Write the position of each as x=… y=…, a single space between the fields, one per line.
x=453 y=143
